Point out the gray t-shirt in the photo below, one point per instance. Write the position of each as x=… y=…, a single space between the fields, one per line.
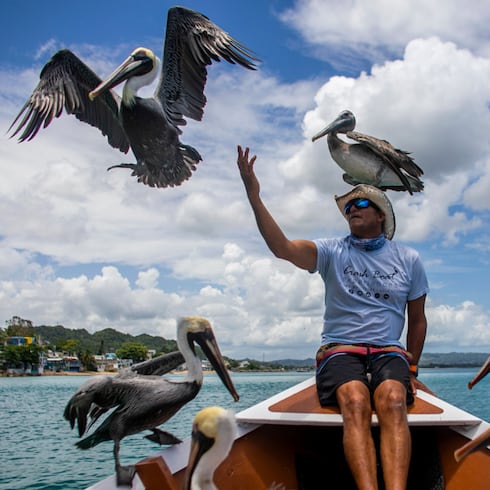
x=366 y=291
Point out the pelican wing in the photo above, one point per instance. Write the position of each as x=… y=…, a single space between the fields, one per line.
x=192 y=42
x=395 y=158
x=65 y=81
x=159 y=365
x=145 y=403
x=95 y=392
x=153 y=401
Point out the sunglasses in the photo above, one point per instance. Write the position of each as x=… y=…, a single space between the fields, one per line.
x=359 y=203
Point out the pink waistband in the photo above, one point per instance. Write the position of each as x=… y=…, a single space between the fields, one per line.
x=327 y=350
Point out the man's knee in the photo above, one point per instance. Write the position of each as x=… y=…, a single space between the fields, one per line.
x=390 y=397
x=354 y=400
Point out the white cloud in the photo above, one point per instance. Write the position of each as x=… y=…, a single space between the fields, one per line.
x=342 y=32
x=195 y=249
x=464 y=325
x=148 y=279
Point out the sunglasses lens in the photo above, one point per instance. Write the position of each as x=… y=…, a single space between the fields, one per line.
x=359 y=203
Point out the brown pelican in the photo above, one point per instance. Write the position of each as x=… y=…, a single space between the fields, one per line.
x=150 y=127
x=213 y=432
x=144 y=401
x=370 y=160
x=484 y=370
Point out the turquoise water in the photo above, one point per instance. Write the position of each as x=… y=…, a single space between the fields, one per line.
x=37 y=446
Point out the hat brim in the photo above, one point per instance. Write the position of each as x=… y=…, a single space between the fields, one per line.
x=375 y=195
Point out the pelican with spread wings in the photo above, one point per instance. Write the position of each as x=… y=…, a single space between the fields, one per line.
x=149 y=126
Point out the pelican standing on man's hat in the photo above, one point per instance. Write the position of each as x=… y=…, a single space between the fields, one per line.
x=371 y=160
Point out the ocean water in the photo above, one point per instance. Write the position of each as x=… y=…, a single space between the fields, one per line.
x=37 y=445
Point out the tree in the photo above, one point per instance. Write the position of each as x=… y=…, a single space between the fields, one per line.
x=12 y=356
x=132 y=350
x=69 y=345
x=88 y=360
x=101 y=348
x=22 y=356
x=232 y=363
x=18 y=327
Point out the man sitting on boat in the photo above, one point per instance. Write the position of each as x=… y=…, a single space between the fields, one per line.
x=370 y=281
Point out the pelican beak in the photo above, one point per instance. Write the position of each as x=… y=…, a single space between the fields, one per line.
x=480 y=441
x=208 y=344
x=343 y=123
x=200 y=444
x=134 y=65
x=324 y=132
x=484 y=370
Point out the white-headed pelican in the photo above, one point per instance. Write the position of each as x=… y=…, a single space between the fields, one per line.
x=144 y=401
x=371 y=160
x=213 y=432
x=150 y=127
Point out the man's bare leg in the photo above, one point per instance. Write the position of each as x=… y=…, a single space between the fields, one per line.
x=355 y=405
x=391 y=409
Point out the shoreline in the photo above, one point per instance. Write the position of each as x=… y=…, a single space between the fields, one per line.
x=113 y=373
x=70 y=373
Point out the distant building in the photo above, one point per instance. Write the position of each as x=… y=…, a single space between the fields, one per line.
x=53 y=363
x=107 y=362
x=72 y=364
x=17 y=340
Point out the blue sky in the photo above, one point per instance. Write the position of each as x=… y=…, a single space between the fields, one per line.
x=92 y=249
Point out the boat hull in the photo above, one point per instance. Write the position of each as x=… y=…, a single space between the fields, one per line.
x=290 y=442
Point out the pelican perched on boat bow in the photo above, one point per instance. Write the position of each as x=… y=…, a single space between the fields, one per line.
x=371 y=160
x=149 y=126
x=144 y=401
x=213 y=432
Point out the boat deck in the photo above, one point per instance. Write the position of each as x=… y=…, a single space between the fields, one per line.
x=300 y=406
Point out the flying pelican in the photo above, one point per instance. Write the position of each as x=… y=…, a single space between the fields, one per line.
x=150 y=127
x=213 y=432
x=144 y=401
x=484 y=370
x=370 y=160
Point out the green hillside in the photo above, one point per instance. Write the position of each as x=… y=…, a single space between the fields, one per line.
x=107 y=340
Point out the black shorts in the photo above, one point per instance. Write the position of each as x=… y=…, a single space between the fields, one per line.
x=349 y=367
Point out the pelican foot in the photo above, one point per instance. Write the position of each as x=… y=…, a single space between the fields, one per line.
x=163 y=438
x=351 y=180
x=125 y=475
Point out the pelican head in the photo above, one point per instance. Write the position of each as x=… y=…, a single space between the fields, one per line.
x=140 y=68
x=197 y=329
x=343 y=123
x=213 y=432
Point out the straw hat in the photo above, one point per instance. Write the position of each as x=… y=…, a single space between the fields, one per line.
x=378 y=197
